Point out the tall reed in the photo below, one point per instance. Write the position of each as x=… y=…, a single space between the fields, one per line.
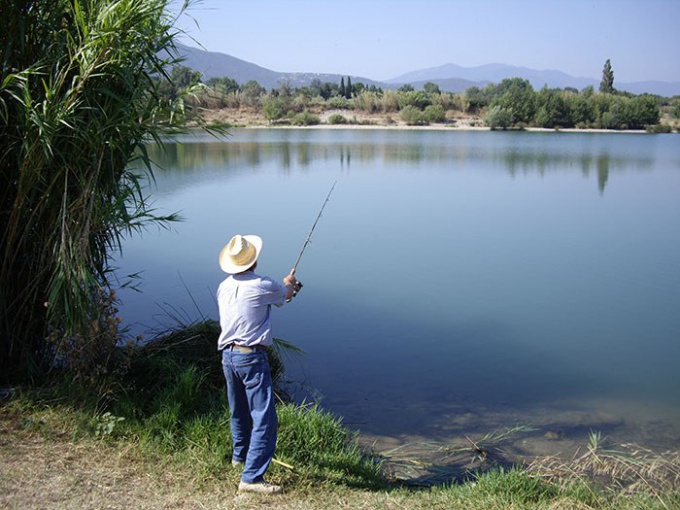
x=78 y=99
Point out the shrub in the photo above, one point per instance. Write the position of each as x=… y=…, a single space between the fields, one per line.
x=368 y=102
x=413 y=116
x=434 y=113
x=305 y=119
x=389 y=102
x=498 y=117
x=339 y=103
x=336 y=118
x=414 y=98
x=658 y=128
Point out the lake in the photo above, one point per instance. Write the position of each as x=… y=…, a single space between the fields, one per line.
x=457 y=283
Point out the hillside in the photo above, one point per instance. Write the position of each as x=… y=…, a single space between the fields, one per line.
x=449 y=77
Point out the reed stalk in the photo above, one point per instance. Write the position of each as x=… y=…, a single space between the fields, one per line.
x=78 y=101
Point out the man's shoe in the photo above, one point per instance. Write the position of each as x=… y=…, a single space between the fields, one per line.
x=238 y=464
x=259 y=488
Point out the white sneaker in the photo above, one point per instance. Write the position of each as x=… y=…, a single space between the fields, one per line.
x=259 y=488
x=237 y=464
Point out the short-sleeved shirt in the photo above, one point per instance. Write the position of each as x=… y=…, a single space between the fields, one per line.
x=244 y=302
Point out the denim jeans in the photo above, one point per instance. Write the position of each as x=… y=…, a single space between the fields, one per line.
x=253 y=413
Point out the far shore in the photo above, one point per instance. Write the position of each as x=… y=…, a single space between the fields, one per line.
x=253 y=119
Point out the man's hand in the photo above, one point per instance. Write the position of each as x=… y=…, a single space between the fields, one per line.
x=292 y=285
x=290 y=278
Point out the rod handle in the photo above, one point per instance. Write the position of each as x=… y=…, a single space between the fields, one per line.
x=296 y=288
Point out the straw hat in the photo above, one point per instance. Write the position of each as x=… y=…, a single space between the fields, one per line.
x=240 y=254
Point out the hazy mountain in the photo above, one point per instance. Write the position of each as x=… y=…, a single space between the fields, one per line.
x=495 y=73
x=449 y=77
x=217 y=65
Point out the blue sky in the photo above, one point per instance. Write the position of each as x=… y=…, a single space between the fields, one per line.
x=383 y=39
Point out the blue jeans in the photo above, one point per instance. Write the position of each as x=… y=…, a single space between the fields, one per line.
x=253 y=413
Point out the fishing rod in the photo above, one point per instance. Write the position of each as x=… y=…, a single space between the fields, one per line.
x=298 y=285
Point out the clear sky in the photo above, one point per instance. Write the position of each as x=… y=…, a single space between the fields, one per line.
x=382 y=39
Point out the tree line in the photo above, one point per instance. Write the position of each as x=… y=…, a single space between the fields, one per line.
x=512 y=103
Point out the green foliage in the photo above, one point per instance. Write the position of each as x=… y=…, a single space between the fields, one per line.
x=349 y=90
x=339 y=103
x=498 y=117
x=79 y=99
x=553 y=109
x=477 y=99
x=105 y=425
x=252 y=91
x=516 y=95
x=431 y=88
x=434 y=113
x=274 y=108
x=416 y=98
x=607 y=82
x=336 y=118
x=659 y=128
x=181 y=80
x=305 y=119
x=413 y=116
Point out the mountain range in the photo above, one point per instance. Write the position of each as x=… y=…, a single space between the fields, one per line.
x=449 y=77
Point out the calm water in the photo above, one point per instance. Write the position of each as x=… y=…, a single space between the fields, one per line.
x=457 y=282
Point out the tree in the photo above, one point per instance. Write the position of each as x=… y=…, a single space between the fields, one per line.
x=498 y=117
x=342 y=90
x=516 y=95
x=431 y=88
x=224 y=85
x=252 y=91
x=181 y=79
x=79 y=98
x=607 y=83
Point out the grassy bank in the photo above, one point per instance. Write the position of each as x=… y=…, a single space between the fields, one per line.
x=154 y=433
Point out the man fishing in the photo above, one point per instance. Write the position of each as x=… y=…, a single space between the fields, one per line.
x=244 y=300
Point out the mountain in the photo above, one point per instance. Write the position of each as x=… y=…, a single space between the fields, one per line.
x=449 y=77
x=217 y=65
x=495 y=73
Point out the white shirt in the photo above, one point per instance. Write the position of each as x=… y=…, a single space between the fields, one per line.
x=244 y=302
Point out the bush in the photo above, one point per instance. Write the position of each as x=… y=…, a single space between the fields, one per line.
x=336 y=118
x=339 y=103
x=658 y=128
x=413 y=116
x=414 y=98
x=434 y=113
x=498 y=117
x=368 y=102
x=305 y=119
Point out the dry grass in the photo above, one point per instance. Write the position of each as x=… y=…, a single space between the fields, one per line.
x=628 y=469
x=253 y=117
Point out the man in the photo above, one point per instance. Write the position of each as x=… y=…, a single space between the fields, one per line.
x=245 y=301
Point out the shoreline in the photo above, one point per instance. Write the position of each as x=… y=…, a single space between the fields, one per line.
x=439 y=127
x=253 y=119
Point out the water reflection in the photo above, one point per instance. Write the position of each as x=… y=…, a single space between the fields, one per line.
x=452 y=150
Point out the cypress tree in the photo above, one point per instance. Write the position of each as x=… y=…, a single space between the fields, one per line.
x=342 y=86
x=348 y=90
x=607 y=83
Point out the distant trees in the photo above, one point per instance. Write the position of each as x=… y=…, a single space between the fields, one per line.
x=512 y=103
x=607 y=83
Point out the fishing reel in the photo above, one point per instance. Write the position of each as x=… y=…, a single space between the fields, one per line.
x=296 y=288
